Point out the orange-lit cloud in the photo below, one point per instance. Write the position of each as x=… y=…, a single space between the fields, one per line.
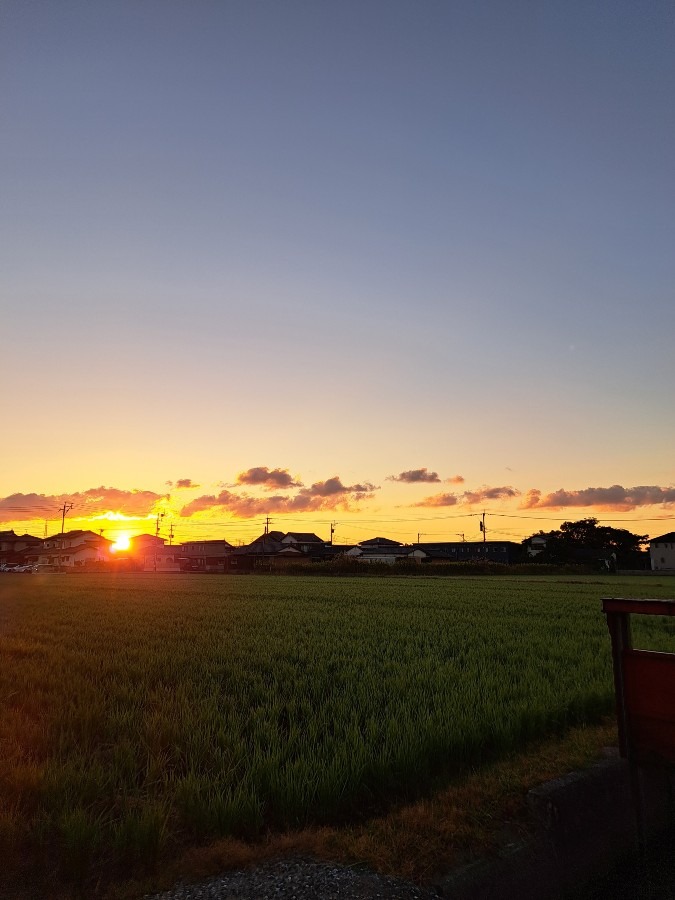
x=92 y=502
x=322 y=495
x=333 y=486
x=270 y=479
x=455 y=479
x=468 y=498
x=616 y=498
x=489 y=493
x=416 y=476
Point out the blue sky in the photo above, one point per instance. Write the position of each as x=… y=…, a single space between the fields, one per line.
x=351 y=238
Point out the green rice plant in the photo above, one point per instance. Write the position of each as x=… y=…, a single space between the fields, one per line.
x=137 y=713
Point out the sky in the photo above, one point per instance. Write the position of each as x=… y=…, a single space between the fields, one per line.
x=403 y=261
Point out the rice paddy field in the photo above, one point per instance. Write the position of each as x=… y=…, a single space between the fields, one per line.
x=143 y=713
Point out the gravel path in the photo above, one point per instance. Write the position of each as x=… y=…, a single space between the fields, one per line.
x=298 y=879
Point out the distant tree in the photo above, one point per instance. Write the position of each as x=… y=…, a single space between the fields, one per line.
x=587 y=534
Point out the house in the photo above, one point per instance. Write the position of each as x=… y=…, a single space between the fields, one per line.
x=662 y=552
x=379 y=550
x=279 y=549
x=139 y=544
x=17 y=549
x=74 y=549
x=505 y=552
x=204 y=556
x=537 y=543
x=302 y=540
x=258 y=553
x=161 y=559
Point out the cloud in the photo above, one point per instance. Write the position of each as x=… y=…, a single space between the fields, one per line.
x=614 y=497
x=468 y=498
x=185 y=483
x=333 y=486
x=438 y=500
x=92 y=502
x=416 y=476
x=322 y=495
x=270 y=479
x=489 y=493
x=455 y=479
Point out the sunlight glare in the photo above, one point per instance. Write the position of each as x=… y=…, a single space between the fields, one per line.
x=123 y=542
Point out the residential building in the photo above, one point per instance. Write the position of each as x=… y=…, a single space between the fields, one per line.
x=379 y=550
x=204 y=556
x=17 y=549
x=74 y=549
x=506 y=552
x=662 y=551
x=162 y=559
x=303 y=540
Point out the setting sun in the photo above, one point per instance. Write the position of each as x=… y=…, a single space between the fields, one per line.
x=123 y=542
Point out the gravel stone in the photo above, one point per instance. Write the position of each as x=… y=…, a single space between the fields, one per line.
x=298 y=879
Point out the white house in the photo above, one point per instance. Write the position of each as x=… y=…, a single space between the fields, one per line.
x=73 y=549
x=662 y=551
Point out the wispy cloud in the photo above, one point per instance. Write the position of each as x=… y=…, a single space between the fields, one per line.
x=454 y=479
x=615 y=497
x=416 y=476
x=270 y=479
x=438 y=500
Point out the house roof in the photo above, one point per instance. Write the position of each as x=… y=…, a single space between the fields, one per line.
x=264 y=545
x=270 y=536
x=380 y=541
x=214 y=542
x=664 y=538
x=304 y=537
x=13 y=536
x=78 y=532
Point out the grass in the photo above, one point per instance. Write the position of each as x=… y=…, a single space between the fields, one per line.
x=145 y=715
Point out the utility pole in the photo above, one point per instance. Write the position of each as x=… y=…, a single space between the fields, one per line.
x=64 y=509
x=461 y=534
x=482 y=526
x=332 y=531
x=170 y=534
x=264 y=543
x=159 y=516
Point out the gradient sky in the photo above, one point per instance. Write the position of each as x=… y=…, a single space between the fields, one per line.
x=347 y=239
